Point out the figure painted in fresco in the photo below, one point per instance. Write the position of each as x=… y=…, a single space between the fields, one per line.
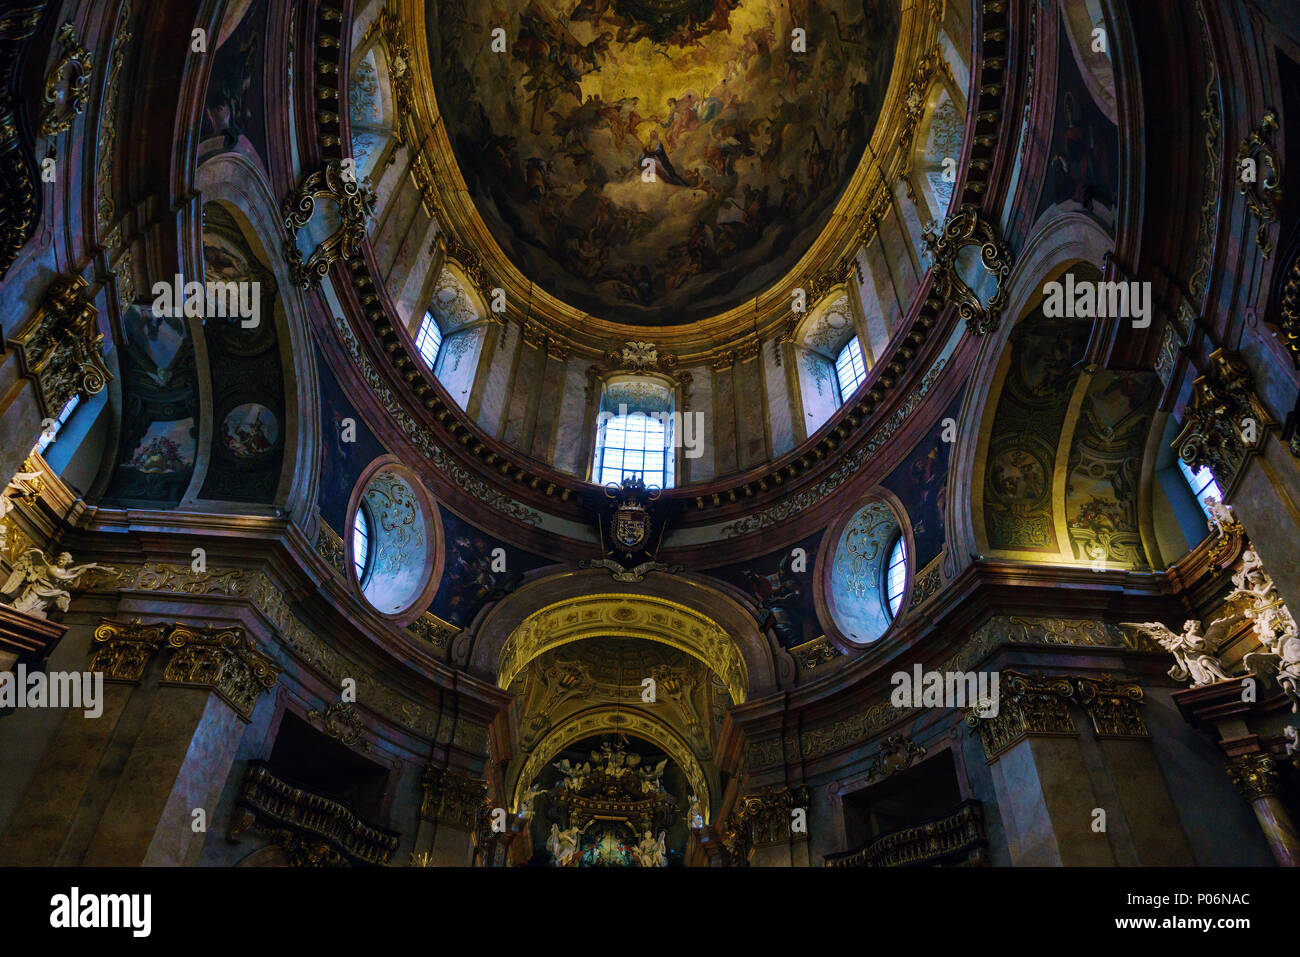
x=1080 y=173
x=780 y=595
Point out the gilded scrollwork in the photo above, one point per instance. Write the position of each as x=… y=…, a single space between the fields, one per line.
x=1263 y=186
x=64 y=101
x=222 y=659
x=1225 y=422
x=354 y=205
x=964 y=228
x=342 y=722
x=61 y=348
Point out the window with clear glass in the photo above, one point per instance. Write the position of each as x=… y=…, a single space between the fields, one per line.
x=49 y=434
x=896 y=576
x=361 y=544
x=635 y=443
x=428 y=340
x=850 y=369
x=1201 y=482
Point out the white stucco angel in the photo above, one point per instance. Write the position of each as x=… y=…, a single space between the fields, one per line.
x=35 y=582
x=526 y=800
x=650 y=851
x=1192 y=653
x=1252 y=581
x=1220 y=518
x=563 y=845
x=574 y=774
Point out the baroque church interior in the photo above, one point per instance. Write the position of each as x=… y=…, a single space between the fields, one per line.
x=649 y=433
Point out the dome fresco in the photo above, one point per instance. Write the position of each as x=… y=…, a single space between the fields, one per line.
x=749 y=143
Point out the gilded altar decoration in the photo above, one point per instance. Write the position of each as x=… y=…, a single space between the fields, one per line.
x=60 y=349
x=312 y=830
x=223 y=659
x=966 y=227
x=1226 y=421
x=64 y=101
x=35 y=582
x=350 y=205
x=1261 y=182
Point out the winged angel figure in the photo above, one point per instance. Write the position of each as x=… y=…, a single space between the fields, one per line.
x=37 y=582
x=1192 y=650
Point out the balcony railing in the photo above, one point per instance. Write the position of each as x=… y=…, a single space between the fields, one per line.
x=954 y=840
x=313 y=830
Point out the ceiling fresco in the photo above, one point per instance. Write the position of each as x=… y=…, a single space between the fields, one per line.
x=746 y=139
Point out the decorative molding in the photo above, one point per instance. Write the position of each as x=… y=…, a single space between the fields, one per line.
x=60 y=349
x=966 y=227
x=815 y=653
x=1264 y=192
x=329 y=546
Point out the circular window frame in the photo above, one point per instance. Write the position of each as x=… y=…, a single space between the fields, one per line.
x=435 y=551
x=823 y=596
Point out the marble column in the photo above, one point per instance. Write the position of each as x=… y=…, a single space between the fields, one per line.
x=1256 y=777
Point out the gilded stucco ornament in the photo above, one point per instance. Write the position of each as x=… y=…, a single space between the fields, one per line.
x=966 y=227
x=355 y=204
x=60 y=349
x=341 y=722
x=64 y=101
x=1263 y=187
x=1226 y=421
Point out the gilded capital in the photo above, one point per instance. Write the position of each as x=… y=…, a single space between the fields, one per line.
x=122 y=650
x=1028 y=705
x=1254 y=775
x=61 y=348
x=452 y=798
x=224 y=660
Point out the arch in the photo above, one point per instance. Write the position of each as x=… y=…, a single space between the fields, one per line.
x=237 y=183
x=620 y=615
x=481 y=646
x=1056 y=244
x=612 y=719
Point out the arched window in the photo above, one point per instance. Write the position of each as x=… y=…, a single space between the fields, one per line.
x=896 y=576
x=1201 y=482
x=361 y=544
x=428 y=340
x=635 y=433
x=850 y=369
x=47 y=436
